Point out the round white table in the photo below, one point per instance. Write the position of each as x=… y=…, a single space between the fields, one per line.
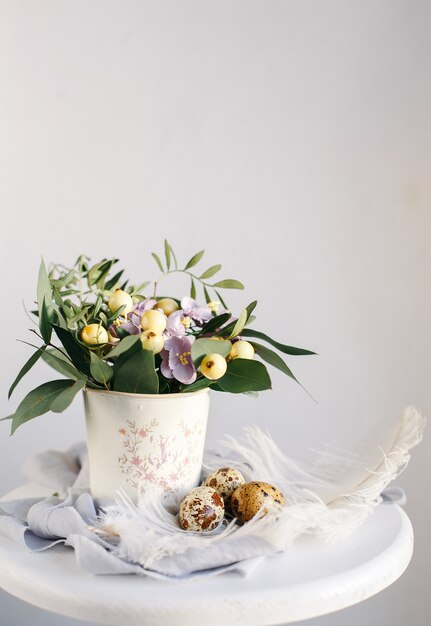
x=309 y=580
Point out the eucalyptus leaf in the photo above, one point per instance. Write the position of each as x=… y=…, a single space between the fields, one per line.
x=167 y=255
x=77 y=353
x=210 y=271
x=195 y=259
x=137 y=374
x=200 y=383
x=112 y=282
x=124 y=345
x=273 y=359
x=45 y=320
x=158 y=261
x=55 y=359
x=100 y=370
x=249 y=332
x=221 y=300
x=229 y=283
x=44 y=289
x=207 y=295
x=239 y=324
x=38 y=401
x=215 y=323
x=26 y=368
x=245 y=375
x=192 y=289
x=65 y=398
x=202 y=347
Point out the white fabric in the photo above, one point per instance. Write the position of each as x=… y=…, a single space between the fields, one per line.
x=146 y=539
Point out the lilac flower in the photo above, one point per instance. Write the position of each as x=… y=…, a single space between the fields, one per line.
x=197 y=313
x=174 y=325
x=133 y=323
x=177 y=360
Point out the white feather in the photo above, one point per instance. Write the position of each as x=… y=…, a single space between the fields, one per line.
x=148 y=532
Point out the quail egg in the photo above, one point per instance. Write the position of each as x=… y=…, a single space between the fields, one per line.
x=201 y=510
x=249 y=498
x=225 y=480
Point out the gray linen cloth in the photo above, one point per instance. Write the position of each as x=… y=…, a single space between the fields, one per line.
x=41 y=523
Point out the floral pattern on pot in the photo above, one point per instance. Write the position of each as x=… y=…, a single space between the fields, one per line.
x=154 y=457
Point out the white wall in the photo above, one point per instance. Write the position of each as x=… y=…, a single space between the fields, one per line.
x=292 y=141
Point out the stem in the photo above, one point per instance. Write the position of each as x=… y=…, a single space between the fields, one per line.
x=177 y=271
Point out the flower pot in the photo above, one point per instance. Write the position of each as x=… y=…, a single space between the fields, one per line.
x=136 y=441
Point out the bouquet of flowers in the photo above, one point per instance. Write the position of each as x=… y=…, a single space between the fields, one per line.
x=120 y=337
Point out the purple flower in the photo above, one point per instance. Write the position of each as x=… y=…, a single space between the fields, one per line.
x=177 y=360
x=174 y=325
x=133 y=323
x=192 y=309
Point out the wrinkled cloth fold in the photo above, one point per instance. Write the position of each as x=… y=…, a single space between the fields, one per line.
x=146 y=539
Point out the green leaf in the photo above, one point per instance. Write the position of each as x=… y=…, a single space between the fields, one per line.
x=38 y=401
x=249 y=332
x=207 y=295
x=167 y=255
x=137 y=374
x=195 y=259
x=100 y=370
x=44 y=290
x=71 y=323
x=8 y=417
x=221 y=300
x=158 y=261
x=26 y=368
x=200 y=383
x=229 y=283
x=250 y=308
x=210 y=271
x=55 y=359
x=65 y=398
x=112 y=282
x=78 y=355
x=245 y=375
x=123 y=346
x=202 y=347
x=136 y=290
x=193 y=289
x=272 y=358
x=174 y=257
x=239 y=324
x=215 y=323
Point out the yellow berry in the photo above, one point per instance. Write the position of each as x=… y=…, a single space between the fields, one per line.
x=153 y=320
x=152 y=342
x=241 y=350
x=213 y=306
x=213 y=366
x=167 y=305
x=94 y=335
x=120 y=298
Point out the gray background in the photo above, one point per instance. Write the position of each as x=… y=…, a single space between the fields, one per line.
x=292 y=141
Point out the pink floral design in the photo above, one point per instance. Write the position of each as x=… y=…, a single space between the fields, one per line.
x=160 y=459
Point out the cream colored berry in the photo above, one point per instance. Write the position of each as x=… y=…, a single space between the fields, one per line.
x=167 y=305
x=152 y=342
x=94 y=335
x=118 y=299
x=153 y=320
x=213 y=366
x=241 y=350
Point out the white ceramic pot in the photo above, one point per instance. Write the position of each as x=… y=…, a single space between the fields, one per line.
x=139 y=440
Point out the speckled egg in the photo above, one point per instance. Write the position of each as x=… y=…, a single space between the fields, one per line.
x=225 y=480
x=201 y=510
x=248 y=499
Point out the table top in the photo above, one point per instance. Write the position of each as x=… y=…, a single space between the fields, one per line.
x=308 y=580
